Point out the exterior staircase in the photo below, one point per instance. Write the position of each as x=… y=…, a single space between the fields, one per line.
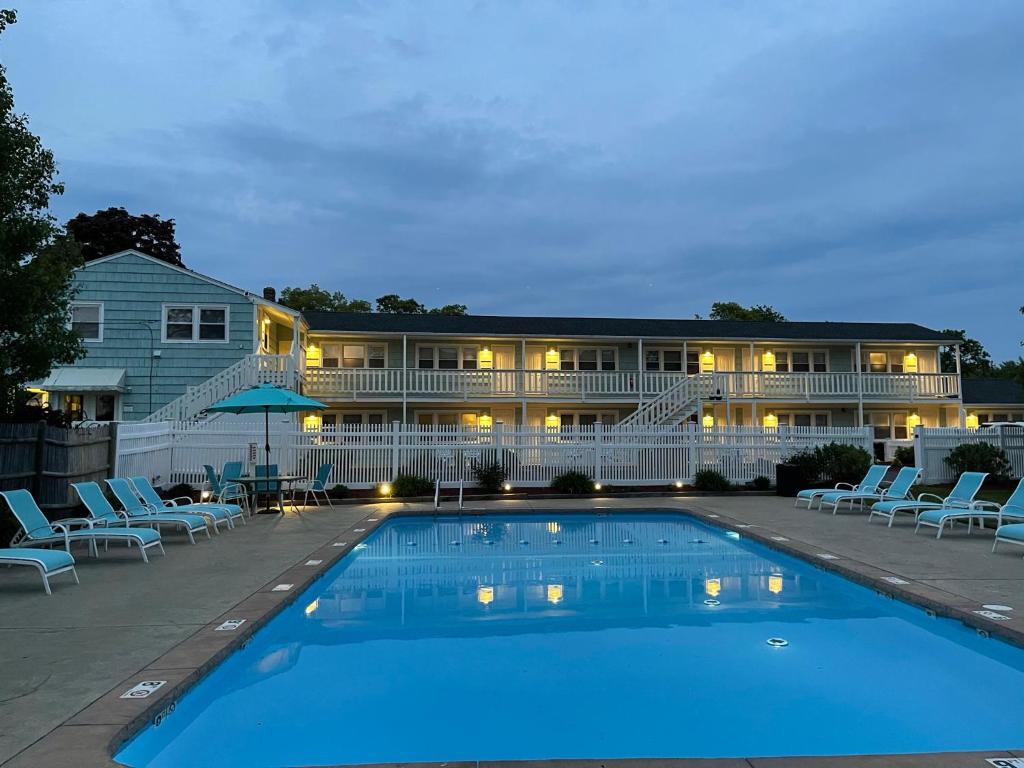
x=251 y=370
x=675 y=404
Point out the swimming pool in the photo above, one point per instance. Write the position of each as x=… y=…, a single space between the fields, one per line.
x=575 y=636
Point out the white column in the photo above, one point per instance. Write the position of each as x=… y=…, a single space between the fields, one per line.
x=405 y=379
x=860 y=386
x=522 y=379
x=640 y=367
x=962 y=413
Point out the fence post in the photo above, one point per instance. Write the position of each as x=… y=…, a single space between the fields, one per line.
x=112 y=467
x=37 y=463
x=919 y=448
x=691 y=453
x=498 y=441
x=395 y=426
x=598 y=449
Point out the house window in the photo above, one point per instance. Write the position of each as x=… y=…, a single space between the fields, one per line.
x=87 y=320
x=376 y=355
x=448 y=358
x=567 y=360
x=877 y=362
x=353 y=356
x=819 y=419
x=195 y=323
x=469 y=358
x=425 y=357
x=667 y=360
x=73 y=407
x=586 y=359
x=105 y=406
x=801 y=361
x=692 y=363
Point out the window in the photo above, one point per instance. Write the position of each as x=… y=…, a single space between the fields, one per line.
x=692 y=363
x=652 y=360
x=469 y=355
x=877 y=362
x=448 y=358
x=567 y=360
x=425 y=357
x=803 y=419
x=195 y=323
x=588 y=359
x=672 y=360
x=87 y=320
x=667 y=360
x=376 y=356
x=801 y=362
x=353 y=356
x=73 y=407
x=798 y=360
x=782 y=362
x=607 y=359
x=582 y=359
x=819 y=362
x=105 y=406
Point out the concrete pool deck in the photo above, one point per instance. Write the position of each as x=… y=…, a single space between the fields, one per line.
x=68 y=658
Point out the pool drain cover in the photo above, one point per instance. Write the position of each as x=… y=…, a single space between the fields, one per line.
x=597 y=562
x=663 y=541
x=777 y=642
x=711 y=602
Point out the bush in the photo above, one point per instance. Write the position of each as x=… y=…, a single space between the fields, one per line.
x=979 y=457
x=338 y=492
x=835 y=463
x=411 y=485
x=761 y=483
x=490 y=476
x=710 y=480
x=573 y=482
x=903 y=456
x=179 y=490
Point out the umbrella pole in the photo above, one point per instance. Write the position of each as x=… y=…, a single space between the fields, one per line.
x=266 y=448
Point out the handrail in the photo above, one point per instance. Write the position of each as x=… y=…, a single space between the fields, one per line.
x=461 y=484
x=437 y=494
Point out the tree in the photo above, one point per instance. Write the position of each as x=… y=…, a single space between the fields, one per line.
x=115 y=230
x=37 y=258
x=1010 y=369
x=394 y=304
x=974 y=358
x=316 y=299
x=731 y=310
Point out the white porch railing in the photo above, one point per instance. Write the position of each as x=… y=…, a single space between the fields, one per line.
x=250 y=370
x=364 y=456
x=390 y=383
x=933 y=445
x=676 y=403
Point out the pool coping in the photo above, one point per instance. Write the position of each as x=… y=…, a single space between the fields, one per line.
x=94 y=734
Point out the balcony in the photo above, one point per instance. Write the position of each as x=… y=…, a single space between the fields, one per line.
x=620 y=386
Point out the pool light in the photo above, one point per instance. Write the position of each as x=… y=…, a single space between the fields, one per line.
x=775 y=583
x=554 y=527
x=311 y=608
x=554 y=593
x=713 y=587
x=485 y=595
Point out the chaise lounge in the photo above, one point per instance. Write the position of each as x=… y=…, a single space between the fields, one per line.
x=49 y=562
x=929 y=506
x=870 y=483
x=899 y=490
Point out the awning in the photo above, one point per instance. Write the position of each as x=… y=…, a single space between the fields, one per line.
x=75 y=379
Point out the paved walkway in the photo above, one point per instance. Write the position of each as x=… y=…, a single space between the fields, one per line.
x=61 y=653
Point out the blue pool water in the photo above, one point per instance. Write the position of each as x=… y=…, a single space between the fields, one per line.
x=588 y=636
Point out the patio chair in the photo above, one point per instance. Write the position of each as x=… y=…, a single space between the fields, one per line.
x=216 y=513
x=223 y=490
x=900 y=489
x=49 y=562
x=870 y=483
x=103 y=513
x=960 y=498
x=36 y=530
x=1012 y=533
x=317 y=485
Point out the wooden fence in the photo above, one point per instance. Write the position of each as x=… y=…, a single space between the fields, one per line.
x=364 y=456
x=933 y=445
x=46 y=459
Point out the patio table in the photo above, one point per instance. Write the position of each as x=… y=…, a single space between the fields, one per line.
x=280 y=480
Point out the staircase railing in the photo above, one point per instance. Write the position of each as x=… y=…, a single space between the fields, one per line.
x=676 y=403
x=247 y=372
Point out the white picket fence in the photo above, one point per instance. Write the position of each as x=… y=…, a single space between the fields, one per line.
x=933 y=445
x=364 y=456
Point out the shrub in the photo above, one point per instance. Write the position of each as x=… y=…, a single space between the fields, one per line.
x=411 y=485
x=834 y=462
x=179 y=490
x=809 y=464
x=711 y=480
x=761 y=483
x=979 y=457
x=490 y=476
x=573 y=482
x=903 y=456
x=338 y=492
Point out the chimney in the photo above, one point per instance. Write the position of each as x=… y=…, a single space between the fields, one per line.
x=269 y=294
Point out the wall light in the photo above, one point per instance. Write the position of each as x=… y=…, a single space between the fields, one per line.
x=552 y=359
x=910 y=363
x=707 y=361
x=971 y=422
x=771 y=420
x=205 y=495
x=507 y=486
x=913 y=420
x=552 y=420
x=768 y=361
x=678 y=484
x=485 y=421
x=597 y=486
x=486 y=358
x=708 y=420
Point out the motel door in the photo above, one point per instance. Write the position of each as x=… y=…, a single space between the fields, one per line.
x=505 y=364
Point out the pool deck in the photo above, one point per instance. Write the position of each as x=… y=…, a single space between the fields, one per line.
x=67 y=659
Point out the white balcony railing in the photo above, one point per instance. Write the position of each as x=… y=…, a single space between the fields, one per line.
x=390 y=383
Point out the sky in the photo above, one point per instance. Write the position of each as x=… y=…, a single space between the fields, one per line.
x=853 y=160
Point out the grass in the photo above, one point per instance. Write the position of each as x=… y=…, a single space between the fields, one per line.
x=998 y=495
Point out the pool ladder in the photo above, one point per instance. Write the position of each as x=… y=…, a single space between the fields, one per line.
x=437 y=494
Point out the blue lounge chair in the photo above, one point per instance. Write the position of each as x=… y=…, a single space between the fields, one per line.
x=1009 y=533
x=103 y=513
x=317 y=485
x=49 y=562
x=899 y=490
x=960 y=498
x=36 y=530
x=223 y=489
x=215 y=513
x=870 y=483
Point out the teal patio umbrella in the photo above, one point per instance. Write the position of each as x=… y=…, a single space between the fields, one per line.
x=266 y=399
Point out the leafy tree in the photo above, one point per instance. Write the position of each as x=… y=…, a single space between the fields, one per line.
x=974 y=358
x=394 y=304
x=1010 y=369
x=316 y=299
x=731 y=310
x=115 y=230
x=37 y=258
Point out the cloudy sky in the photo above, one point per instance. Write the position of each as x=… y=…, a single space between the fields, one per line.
x=840 y=160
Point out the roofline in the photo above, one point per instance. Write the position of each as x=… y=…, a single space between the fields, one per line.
x=990 y=404
x=518 y=336
x=254 y=298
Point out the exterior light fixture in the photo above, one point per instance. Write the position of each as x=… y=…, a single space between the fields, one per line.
x=913 y=420
x=771 y=421
x=971 y=422
x=597 y=486
x=385 y=489
x=768 y=360
x=708 y=420
x=205 y=495
x=507 y=487
x=678 y=484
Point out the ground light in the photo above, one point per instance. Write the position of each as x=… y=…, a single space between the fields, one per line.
x=597 y=486
x=507 y=487
x=678 y=484
x=385 y=489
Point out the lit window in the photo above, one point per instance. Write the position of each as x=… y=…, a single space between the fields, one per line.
x=87 y=320
x=588 y=359
x=375 y=356
x=896 y=362
x=877 y=362
x=566 y=360
x=73 y=407
x=331 y=355
x=353 y=356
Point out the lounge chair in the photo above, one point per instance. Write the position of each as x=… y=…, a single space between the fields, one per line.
x=103 y=513
x=49 y=562
x=38 y=531
x=317 y=485
x=899 y=490
x=870 y=483
x=224 y=489
x=215 y=513
x=1010 y=533
x=959 y=499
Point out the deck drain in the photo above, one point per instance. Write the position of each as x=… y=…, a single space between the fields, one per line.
x=597 y=562
x=895 y=580
x=712 y=515
x=143 y=689
x=826 y=556
x=358 y=530
x=663 y=541
x=371 y=519
x=779 y=538
x=282 y=587
x=229 y=626
x=339 y=544
x=992 y=615
x=777 y=642
x=711 y=602
x=313 y=562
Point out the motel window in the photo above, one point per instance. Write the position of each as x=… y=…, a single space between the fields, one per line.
x=672 y=360
x=105 y=406
x=87 y=320
x=567 y=360
x=353 y=356
x=448 y=358
x=588 y=359
x=73 y=407
x=425 y=357
x=801 y=361
x=692 y=363
x=652 y=360
x=877 y=362
x=195 y=323
x=666 y=360
x=803 y=419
